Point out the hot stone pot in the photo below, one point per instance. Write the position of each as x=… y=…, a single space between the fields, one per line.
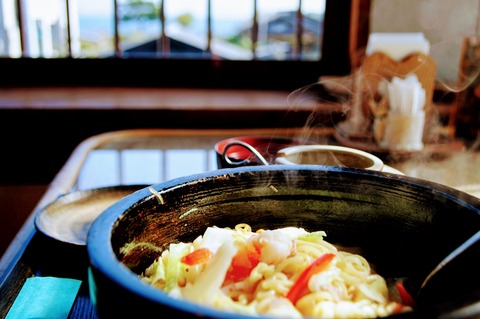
x=404 y=226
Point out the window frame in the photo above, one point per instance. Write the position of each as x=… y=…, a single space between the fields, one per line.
x=192 y=73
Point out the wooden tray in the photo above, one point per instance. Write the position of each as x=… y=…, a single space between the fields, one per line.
x=44 y=256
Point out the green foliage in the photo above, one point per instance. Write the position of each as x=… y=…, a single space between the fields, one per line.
x=139 y=10
x=185 y=19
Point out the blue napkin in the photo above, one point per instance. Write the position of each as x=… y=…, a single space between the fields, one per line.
x=45 y=297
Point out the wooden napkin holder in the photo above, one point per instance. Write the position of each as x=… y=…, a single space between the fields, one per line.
x=367 y=102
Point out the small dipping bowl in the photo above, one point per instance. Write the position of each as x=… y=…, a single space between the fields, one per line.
x=243 y=150
x=330 y=155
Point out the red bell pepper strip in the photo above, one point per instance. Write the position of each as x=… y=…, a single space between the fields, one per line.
x=196 y=257
x=298 y=288
x=407 y=299
x=398 y=308
x=243 y=262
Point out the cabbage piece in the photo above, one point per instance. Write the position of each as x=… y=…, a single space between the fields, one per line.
x=292 y=231
x=154 y=273
x=174 y=265
x=209 y=283
x=214 y=237
x=314 y=237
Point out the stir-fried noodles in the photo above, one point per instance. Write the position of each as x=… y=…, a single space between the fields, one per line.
x=286 y=272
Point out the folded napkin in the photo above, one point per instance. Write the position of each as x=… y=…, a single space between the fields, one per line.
x=402 y=129
x=45 y=297
x=406 y=96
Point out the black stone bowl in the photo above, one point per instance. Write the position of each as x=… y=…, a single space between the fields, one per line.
x=404 y=226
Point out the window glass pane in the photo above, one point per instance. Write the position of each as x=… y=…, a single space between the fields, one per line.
x=313 y=14
x=278 y=29
x=95 y=25
x=9 y=33
x=45 y=28
x=186 y=23
x=139 y=27
x=232 y=23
